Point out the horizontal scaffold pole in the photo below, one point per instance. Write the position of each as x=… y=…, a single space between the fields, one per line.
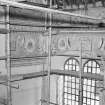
x=48 y=10
x=20 y=77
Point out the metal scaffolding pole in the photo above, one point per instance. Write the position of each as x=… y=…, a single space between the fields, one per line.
x=43 y=87
x=8 y=61
x=80 y=74
x=49 y=53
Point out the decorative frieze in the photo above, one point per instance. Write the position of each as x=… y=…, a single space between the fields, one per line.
x=26 y=44
x=29 y=44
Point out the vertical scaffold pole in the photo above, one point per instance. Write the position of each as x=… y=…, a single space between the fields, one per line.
x=46 y=14
x=42 y=89
x=80 y=76
x=49 y=52
x=8 y=65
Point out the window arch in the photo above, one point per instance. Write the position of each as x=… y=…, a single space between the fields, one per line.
x=91 y=66
x=90 y=94
x=71 y=83
x=71 y=64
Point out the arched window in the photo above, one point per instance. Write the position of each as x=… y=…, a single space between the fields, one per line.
x=90 y=95
x=71 y=84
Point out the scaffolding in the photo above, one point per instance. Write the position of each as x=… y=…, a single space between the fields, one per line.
x=48 y=13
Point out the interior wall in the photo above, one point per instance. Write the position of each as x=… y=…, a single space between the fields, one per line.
x=30 y=91
x=92 y=12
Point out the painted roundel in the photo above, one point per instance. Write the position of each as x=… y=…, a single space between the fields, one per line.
x=30 y=45
x=62 y=43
